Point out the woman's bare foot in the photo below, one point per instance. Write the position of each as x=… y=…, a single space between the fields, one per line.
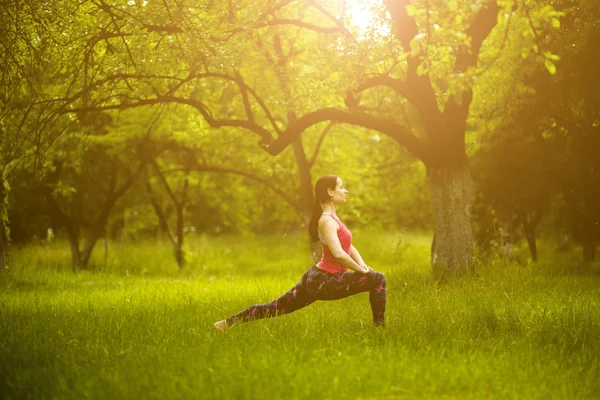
x=221 y=325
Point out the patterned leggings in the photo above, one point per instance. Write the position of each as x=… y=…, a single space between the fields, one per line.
x=317 y=284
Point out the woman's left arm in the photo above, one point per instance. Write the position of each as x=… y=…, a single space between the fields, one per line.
x=356 y=256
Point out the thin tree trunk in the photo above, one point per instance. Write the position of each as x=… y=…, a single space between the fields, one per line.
x=581 y=225
x=75 y=253
x=590 y=251
x=304 y=175
x=589 y=244
x=86 y=253
x=531 y=242
x=80 y=258
x=3 y=244
x=4 y=238
x=306 y=196
x=179 y=239
x=105 y=250
x=451 y=193
x=530 y=223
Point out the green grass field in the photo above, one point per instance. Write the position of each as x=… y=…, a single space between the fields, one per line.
x=136 y=327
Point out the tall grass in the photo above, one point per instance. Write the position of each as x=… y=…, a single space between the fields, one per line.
x=137 y=327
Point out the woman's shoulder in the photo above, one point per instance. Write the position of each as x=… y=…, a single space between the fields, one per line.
x=325 y=217
x=328 y=219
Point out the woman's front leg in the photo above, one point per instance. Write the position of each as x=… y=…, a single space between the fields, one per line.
x=351 y=283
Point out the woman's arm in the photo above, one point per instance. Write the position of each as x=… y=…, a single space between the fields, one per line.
x=356 y=257
x=328 y=228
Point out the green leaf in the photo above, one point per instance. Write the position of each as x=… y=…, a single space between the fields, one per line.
x=551 y=56
x=555 y=23
x=411 y=10
x=550 y=66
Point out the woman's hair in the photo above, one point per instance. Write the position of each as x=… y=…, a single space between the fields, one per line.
x=321 y=196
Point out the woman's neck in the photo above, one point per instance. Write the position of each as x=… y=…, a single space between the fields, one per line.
x=328 y=207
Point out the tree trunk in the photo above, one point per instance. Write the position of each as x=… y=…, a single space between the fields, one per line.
x=75 y=253
x=306 y=197
x=452 y=196
x=589 y=244
x=531 y=242
x=2 y=247
x=4 y=237
x=305 y=192
x=80 y=259
x=590 y=253
x=3 y=242
x=530 y=223
x=583 y=224
x=179 y=238
x=86 y=253
x=105 y=250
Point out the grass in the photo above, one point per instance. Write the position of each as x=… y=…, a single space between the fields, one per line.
x=136 y=327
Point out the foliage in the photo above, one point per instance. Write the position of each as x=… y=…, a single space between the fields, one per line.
x=216 y=77
x=547 y=129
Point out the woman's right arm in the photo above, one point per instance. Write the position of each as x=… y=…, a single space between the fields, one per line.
x=328 y=228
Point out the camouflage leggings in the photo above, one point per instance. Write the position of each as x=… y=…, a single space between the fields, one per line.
x=317 y=284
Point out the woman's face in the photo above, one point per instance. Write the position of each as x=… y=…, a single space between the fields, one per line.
x=338 y=195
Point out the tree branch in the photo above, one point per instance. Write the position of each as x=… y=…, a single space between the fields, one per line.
x=483 y=23
x=313 y=159
x=166 y=185
x=405 y=27
x=290 y=200
x=383 y=125
x=162 y=219
x=170 y=97
x=244 y=91
x=302 y=24
x=333 y=19
x=419 y=89
x=265 y=135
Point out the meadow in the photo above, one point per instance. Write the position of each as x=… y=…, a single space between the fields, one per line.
x=136 y=327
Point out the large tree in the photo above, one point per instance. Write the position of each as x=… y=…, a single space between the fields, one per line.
x=35 y=52
x=572 y=119
x=89 y=168
x=413 y=79
x=548 y=124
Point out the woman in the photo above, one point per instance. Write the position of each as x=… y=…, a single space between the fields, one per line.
x=329 y=279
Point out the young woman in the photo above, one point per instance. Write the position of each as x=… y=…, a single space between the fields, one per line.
x=330 y=278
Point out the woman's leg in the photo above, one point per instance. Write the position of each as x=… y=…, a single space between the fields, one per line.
x=350 y=283
x=297 y=297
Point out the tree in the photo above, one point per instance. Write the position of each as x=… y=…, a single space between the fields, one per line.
x=83 y=179
x=34 y=60
x=437 y=81
x=573 y=119
x=516 y=192
x=547 y=126
x=428 y=63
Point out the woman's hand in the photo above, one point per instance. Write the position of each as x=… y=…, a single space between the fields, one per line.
x=368 y=269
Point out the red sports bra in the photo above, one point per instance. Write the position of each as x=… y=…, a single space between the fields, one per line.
x=328 y=262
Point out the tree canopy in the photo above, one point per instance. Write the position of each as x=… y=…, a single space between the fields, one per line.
x=177 y=108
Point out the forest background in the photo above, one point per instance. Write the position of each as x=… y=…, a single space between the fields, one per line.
x=140 y=119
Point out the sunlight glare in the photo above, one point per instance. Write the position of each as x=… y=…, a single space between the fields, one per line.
x=363 y=20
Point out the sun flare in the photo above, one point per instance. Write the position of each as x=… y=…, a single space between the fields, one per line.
x=362 y=17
